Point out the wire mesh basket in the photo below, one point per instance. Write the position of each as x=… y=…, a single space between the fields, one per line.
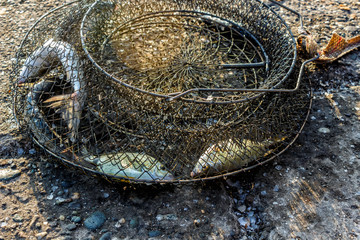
x=161 y=91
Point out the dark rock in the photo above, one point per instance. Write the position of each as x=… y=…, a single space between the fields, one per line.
x=74 y=206
x=134 y=223
x=95 y=221
x=76 y=219
x=154 y=233
x=67 y=184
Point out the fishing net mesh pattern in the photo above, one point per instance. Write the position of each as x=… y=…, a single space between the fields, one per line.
x=160 y=91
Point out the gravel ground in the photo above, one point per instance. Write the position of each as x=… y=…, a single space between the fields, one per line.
x=309 y=192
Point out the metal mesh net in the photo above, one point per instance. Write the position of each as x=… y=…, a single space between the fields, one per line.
x=160 y=91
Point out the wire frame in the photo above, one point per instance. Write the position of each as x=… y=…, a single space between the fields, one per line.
x=205 y=51
x=80 y=115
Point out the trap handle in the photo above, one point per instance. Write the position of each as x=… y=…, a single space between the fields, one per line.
x=280 y=90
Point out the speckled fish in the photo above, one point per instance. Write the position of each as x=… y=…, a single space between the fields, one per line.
x=138 y=166
x=68 y=105
x=229 y=155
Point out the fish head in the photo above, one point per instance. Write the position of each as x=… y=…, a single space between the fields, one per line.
x=200 y=168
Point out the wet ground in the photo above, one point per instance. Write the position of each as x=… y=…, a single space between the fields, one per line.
x=309 y=192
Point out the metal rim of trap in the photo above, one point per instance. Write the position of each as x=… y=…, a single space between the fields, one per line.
x=276 y=79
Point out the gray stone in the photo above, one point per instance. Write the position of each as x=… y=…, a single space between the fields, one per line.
x=278 y=167
x=154 y=233
x=17 y=218
x=242 y=208
x=70 y=227
x=95 y=221
x=351 y=28
x=324 y=130
x=7 y=174
x=170 y=217
x=20 y=151
x=32 y=151
x=74 y=206
x=76 y=219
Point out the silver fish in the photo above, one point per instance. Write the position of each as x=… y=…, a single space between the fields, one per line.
x=230 y=155
x=138 y=166
x=69 y=105
x=37 y=124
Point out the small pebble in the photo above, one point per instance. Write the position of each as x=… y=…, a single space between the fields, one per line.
x=66 y=184
x=61 y=217
x=197 y=222
x=32 y=151
x=134 y=223
x=40 y=235
x=95 y=221
x=170 y=217
x=74 y=206
x=38 y=225
x=278 y=167
x=60 y=200
x=18 y=218
x=60 y=193
x=75 y=219
x=70 y=227
x=154 y=233
x=263 y=193
x=244 y=222
x=75 y=196
x=106 y=236
x=242 y=208
x=324 y=130
x=50 y=196
x=20 y=151
x=350 y=28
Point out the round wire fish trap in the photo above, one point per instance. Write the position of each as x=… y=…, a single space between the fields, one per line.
x=161 y=91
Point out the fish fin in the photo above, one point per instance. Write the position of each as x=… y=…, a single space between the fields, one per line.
x=58 y=98
x=336 y=44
